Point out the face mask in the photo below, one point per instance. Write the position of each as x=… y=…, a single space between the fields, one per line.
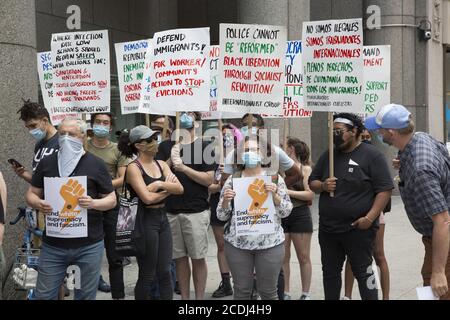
x=38 y=134
x=338 y=140
x=101 y=131
x=69 y=154
x=251 y=159
x=228 y=141
x=244 y=131
x=152 y=147
x=186 y=121
x=366 y=141
x=159 y=139
x=382 y=140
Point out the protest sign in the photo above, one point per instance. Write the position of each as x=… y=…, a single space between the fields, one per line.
x=179 y=72
x=293 y=89
x=251 y=68
x=213 y=114
x=253 y=205
x=131 y=65
x=67 y=219
x=332 y=55
x=377 y=78
x=81 y=72
x=45 y=73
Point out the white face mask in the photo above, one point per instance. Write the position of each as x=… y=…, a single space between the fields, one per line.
x=69 y=154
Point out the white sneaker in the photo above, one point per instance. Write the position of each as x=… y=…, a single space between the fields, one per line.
x=345 y=298
x=305 y=297
x=287 y=297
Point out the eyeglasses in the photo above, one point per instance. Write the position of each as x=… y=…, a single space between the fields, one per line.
x=337 y=132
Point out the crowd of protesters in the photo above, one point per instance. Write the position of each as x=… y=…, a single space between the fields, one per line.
x=183 y=181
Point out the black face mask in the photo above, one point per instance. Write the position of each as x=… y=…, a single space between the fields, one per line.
x=338 y=140
x=366 y=141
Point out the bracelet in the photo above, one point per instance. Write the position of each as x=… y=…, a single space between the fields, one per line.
x=371 y=221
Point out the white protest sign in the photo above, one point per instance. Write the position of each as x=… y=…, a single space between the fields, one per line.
x=179 y=71
x=425 y=293
x=67 y=219
x=131 y=64
x=251 y=68
x=212 y=114
x=377 y=78
x=45 y=73
x=81 y=72
x=333 y=65
x=253 y=206
x=293 y=89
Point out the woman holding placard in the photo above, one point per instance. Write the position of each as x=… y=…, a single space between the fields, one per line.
x=261 y=250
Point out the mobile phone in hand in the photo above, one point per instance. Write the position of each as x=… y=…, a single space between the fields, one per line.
x=15 y=163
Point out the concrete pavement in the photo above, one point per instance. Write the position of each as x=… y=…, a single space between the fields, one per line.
x=403 y=248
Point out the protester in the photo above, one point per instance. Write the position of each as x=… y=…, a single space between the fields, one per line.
x=3 y=198
x=231 y=137
x=37 y=120
x=424 y=173
x=259 y=253
x=189 y=213
x=348 y=222
x=152 y=182
x=101 y=146
x=57 y=254
x=280 y=159
x=298 y=226
x=378 y=253
x=157 y=124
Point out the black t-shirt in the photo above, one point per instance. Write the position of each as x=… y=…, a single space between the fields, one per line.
x=164 y=149
x=361 y=174
x=45 y=148
x=98 y=182
x=195 y=197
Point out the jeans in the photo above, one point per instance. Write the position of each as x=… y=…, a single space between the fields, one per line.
x=265 y=263
x=155 y=264
x=114 y=259
x=2 y=269
x=358 y=246
x=155 y=294
x=53 y=264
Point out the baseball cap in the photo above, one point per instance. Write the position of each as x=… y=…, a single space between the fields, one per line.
x=140 y=133
x=391 y=116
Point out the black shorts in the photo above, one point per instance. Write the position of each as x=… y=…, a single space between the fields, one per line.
x=299 y=221
x=213 y=202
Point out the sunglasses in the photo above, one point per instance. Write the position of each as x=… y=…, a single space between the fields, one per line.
x=150 y=139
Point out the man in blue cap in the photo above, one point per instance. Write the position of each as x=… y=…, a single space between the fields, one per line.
x=424 y=187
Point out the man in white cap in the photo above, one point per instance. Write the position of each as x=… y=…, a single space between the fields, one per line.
x=424 y=187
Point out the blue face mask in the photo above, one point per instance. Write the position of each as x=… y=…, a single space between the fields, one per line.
x=159 y=138
x=101 y=131
x=186 y=121
x=38 y=134
x=379 y=137
x=244 y=131
x=251 y=159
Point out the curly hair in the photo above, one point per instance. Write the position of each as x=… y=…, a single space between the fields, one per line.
x=357 y=121
x=32 y=111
